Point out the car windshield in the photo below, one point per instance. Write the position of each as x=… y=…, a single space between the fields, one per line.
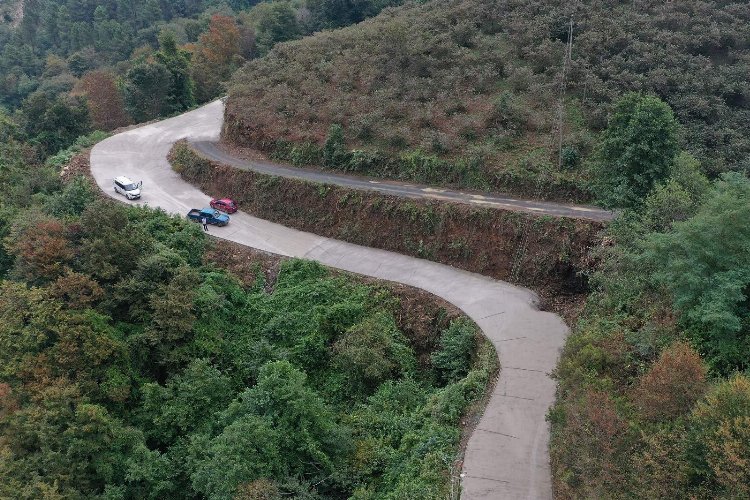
x=129 y=187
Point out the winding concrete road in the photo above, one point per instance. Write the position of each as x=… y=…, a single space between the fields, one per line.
x=507 y=455
x=213 y=151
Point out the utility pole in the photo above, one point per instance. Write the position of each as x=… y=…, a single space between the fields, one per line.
x=563 y=84
x=515 y=270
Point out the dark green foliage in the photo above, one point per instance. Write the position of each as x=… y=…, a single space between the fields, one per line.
x=72 y=200
x=55 y=123
x=457 y=345
x=334 y=149
x=274 y=22
x=337 y=13
x=146 y=91
x=705 y=264
x=162 y=86
x=245 y=451
x=130 y=368
x=373 y=351
x=636 y=150
x=181 y=92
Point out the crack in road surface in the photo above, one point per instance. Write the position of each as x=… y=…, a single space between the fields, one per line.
x=213 y=151
x=494 y=466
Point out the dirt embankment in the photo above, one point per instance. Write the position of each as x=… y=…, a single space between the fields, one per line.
x=487 y=241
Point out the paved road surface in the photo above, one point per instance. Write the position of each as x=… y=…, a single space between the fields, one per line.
x=213 y=151
x=506 y=456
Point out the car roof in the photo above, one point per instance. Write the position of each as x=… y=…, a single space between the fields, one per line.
x=123 y=180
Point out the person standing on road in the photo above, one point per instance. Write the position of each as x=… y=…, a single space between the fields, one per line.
x=205 y=224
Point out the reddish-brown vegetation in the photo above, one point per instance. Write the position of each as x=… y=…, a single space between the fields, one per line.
x=42 y=250
x=215 y=57
x=106 y=106
x=672 y=385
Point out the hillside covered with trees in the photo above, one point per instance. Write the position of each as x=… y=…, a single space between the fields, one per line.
x=140 y=360
x=141 y=367
x=70 y=67
x=654 y=394
x=468 y=92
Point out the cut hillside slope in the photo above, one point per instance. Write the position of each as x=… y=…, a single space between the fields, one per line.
x=466 y=92
x=478 y=239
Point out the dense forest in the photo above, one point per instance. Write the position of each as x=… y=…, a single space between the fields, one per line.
x=471 y=92
x=70 y=67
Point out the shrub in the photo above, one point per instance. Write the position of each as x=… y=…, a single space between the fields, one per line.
x=672 y=385
x=453 y=358
x=719 y=448
x=373 y=351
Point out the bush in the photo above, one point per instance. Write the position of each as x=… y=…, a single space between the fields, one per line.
x=63 y=157
x=672 y=385
x=637 y=150
x=719 y=449
x=73 y=200
x=453 y=358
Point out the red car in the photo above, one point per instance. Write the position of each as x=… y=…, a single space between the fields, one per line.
x=225 y=205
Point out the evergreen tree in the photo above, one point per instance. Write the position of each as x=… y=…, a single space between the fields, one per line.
x=146 y=91
x=181 y=94
x=637 y=149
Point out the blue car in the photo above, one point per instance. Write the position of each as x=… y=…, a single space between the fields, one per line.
x=211 y=215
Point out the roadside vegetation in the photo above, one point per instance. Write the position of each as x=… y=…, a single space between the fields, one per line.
x=467 y=92
x=135 y=364
x=654 y=394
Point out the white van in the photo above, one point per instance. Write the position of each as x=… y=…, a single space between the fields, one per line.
x=130 y=189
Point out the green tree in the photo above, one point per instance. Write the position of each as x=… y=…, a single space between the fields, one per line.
x=282 y=398
x=334 y=149
x=248 y=449
x=705 y=263
x=55 y=123
x=637 y=149
x=274 y=22
x=187 y=403
x=72 y=200
x=146 y=91
x=66 y=443
x=373 y=351
x=453 y=358
x=181 y=95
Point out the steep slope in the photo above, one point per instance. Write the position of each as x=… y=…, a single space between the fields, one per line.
x=477 y=84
